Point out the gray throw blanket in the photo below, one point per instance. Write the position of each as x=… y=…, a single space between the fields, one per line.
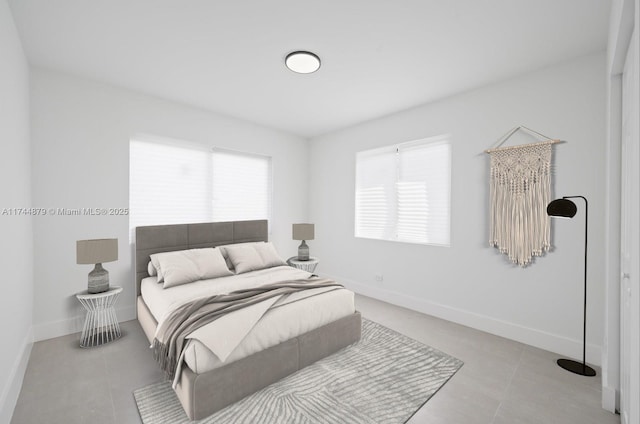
x=172 y=332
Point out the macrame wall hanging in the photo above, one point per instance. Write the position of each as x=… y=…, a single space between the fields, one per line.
x=520 y=190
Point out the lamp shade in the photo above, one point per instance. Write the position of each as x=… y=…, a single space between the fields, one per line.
x=562 y=208
x=303 y=231
x=96 y=251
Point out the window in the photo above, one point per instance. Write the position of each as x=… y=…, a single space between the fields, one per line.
x=180 y=183
x=403 y=192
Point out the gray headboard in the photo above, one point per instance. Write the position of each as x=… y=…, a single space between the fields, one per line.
x=166 y=238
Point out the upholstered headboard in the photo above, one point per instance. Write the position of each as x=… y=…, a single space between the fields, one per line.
x=166 y=238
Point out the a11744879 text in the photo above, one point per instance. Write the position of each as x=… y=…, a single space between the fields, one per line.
x=64 y=211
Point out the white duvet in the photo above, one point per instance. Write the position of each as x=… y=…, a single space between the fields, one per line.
x=249 y=330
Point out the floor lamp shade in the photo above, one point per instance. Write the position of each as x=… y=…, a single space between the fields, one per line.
x=303 y=232
x=97 y=252
x=562 y=208
x=565 y=208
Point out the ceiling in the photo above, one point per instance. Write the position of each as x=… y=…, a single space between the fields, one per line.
x=378 y=56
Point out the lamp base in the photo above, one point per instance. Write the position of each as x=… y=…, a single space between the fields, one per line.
x=303 y=251
x=576 y=367
x=98 y=280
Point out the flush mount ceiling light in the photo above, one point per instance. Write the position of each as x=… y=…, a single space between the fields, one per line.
x=302 y=62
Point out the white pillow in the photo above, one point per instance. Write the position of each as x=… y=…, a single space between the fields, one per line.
x=187 y=266
x=223 y=249
x=156 y=264
x=245 y=258
x=253 y=256
x=269 y=255
x=151 y=270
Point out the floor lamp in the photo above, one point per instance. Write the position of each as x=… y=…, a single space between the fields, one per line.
x=565 y=208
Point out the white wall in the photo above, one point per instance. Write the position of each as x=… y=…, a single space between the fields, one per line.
x=469 y=282
x=16 y=242
x=81 y=131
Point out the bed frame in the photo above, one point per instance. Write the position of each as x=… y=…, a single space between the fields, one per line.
x=203 y=394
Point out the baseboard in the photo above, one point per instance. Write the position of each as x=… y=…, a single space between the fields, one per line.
x=63 y=327
x=552 y=342
x=624 y=419
x=11 y=390
x=609 y=399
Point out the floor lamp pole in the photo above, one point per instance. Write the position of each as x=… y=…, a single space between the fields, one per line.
x=568 y=364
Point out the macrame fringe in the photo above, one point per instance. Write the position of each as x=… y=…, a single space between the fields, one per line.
x=520 y=190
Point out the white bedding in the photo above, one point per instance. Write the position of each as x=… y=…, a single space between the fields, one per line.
x=288 y=317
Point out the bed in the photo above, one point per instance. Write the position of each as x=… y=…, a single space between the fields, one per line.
x=286 y=339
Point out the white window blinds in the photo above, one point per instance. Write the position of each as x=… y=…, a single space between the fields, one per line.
x=403 y=192
x=172 y=184
x=241 y=186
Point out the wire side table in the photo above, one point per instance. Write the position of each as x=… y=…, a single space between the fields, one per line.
x=101 y=324
x=309 y=266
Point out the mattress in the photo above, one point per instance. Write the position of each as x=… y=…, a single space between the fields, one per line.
x=288 y=318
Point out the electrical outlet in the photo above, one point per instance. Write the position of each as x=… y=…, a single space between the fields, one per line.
x=379 y=278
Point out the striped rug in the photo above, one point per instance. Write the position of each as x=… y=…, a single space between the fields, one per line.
x=384 y=378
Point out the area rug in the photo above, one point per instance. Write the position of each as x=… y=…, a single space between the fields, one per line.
x=384 y=378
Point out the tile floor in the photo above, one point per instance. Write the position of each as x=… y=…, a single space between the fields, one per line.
x=502 y=381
